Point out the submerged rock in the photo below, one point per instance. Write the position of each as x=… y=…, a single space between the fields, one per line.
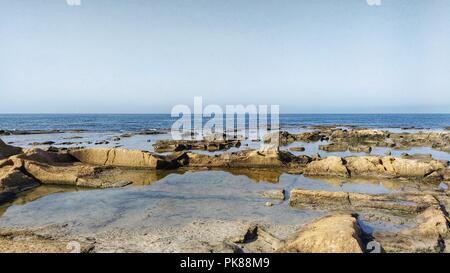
x=330 y=234
x=297 y=149
x=274 y=194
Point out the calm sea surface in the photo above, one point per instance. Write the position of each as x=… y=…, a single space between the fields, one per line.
x=134 y=122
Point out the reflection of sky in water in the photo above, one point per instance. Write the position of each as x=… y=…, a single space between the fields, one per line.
x=176 y=199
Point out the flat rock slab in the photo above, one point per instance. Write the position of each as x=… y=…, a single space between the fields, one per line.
x=406 y=203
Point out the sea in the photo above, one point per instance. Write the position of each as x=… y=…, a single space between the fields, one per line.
x=137 y=122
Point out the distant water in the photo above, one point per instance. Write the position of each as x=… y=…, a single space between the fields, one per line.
x=136 y=122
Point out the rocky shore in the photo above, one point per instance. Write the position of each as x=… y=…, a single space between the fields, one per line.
x=343 y=230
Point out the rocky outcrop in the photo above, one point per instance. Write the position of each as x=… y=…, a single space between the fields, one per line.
x=12 y=181
x=266 y=157
x=284 y=137
x=430 y=233
x=330 y=234
x=330 y=166
x=358 y=135
x=333 y=147
x=125 y=158
x=162 y=146
x=405 y=203
x=374 y=166
x=7 y=150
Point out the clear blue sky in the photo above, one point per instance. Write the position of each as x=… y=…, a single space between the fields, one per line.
x=144 y=56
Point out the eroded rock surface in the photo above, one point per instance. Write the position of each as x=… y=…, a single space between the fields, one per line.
x=330 y=234
x=120 y=157
x=375 y=166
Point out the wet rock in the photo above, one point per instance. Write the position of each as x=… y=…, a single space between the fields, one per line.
x=13 y=180
x=281 y=138
x=29 y=132
x=103 y=142
x=269 y=204
x=268 y=156
x=334 y=147
x=162 y=146
x=388 y=152
x=274 y=194
x=310 y=136
x=360 y=149
x=297 y=149
x=151 y=132
x=67 y=143
x=45 y=143
x=330 y=234
x=7 y=150
x=284 y=137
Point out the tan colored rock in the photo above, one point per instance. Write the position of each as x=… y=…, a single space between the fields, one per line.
x=21 y=241
x=267 y=157
x=374 y=166
x=365 y=166
x=429 y=234
x=432 y=223
x=330 y=234
x=412 y=168
x=123 y=158
x=330 y=166
x=406 y=203
x=334 y=147
x=68 y=174
x=360 y=149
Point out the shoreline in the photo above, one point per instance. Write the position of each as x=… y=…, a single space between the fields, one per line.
x=305 y=181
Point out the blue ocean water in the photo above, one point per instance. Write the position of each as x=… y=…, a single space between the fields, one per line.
x=136 y=122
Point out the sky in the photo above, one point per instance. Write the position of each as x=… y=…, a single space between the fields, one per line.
x=146 y=56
